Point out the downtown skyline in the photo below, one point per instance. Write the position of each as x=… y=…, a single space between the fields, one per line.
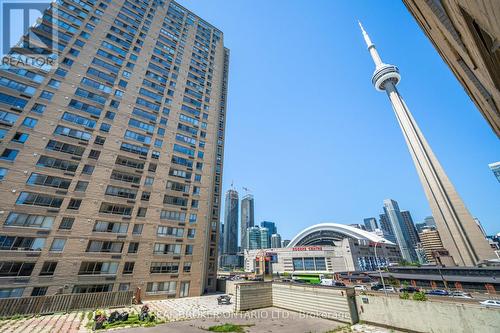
x=359 y=155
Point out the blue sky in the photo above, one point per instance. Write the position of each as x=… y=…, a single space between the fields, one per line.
x=308 y=133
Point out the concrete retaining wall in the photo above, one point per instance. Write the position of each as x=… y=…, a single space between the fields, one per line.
x=332 y=303
x=253 y=295
x=428 y=316
x=327 y=302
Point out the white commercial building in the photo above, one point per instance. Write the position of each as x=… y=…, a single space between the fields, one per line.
x=326 y=248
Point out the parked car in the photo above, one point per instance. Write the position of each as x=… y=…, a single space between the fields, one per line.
x=409 y=289
x=438 y=292
x=376 y=287
x=389 y=289
x=360 y=287
x=491 y=303
x=460 y=294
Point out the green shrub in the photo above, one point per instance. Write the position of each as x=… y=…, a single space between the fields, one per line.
x=419 y=296
x=404 y=295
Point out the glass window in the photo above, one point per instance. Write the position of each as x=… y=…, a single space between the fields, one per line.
x=57 y=245
x=3 y=173
x=30 y=122
x=81 y=186
x=66 y=223
x=9 y=154
x=20 y=137
x=298 y=264
x=46 y=95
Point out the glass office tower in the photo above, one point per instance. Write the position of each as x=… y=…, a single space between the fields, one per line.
x=111 y=157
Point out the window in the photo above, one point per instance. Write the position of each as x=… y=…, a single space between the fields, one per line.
x=98 y=268
x=39 y=291
x=128 y=267
x=92 y=288
x=50 y=181
x=137 y=229
x=167 y=287
x=48 y=268
x=114 y=227
x=145 y=196
x=46 y=95
x=65 y=148
x=16 y=268
x=38 y=199
x=99 y=140
x=3 y=173
x=9 y=154
x=189 y=250
x=66 y=223
x=133 y=247
x=88 y=169
x=186 y=268
x=141 y=212
x=74 y=204
x=38 y=108
x=164 y=231
x=149 y=181
x=54 y=83
x=123 y=286
x=20 y=137
x=105 y=127
x=29 y=221
x=104 y=246
x=57 y=245
x=191 y=233
x=192 y=218
x=11 y=292
x=115 y=209
x=94 y=154
x=164 y=267
x=81 y=186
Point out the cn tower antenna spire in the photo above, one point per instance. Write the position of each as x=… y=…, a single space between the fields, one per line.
x=371 y=47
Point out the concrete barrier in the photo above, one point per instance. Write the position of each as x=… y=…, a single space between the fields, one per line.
x=428 y=316
x=327 y=302
x=253 y=295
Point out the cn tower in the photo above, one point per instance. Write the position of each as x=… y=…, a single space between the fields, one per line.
x=458 y=230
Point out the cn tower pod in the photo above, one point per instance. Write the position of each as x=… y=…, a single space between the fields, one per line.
x=383 y=74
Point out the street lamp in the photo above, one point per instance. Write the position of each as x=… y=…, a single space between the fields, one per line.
x=378 y=266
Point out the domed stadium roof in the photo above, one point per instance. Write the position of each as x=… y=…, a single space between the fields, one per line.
x=326 y=233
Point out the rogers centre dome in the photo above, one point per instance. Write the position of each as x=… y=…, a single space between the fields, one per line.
x=327 y=233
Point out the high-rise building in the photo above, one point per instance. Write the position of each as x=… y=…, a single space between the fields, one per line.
x=431 y=242
x=271 y=226
x=495 y=167
x=111 y=155
x=410 y=226
x=386 y=228
x=285 y=242
x=247 y=218
x=370 y=224
x=358 y=226
x=430 y=222
x=466 y=35
x=459 y=233
x=265 y=238
x=275 y=241
x=231 y=223
x=221 y=238
x=253 y=238
x=400 y=229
